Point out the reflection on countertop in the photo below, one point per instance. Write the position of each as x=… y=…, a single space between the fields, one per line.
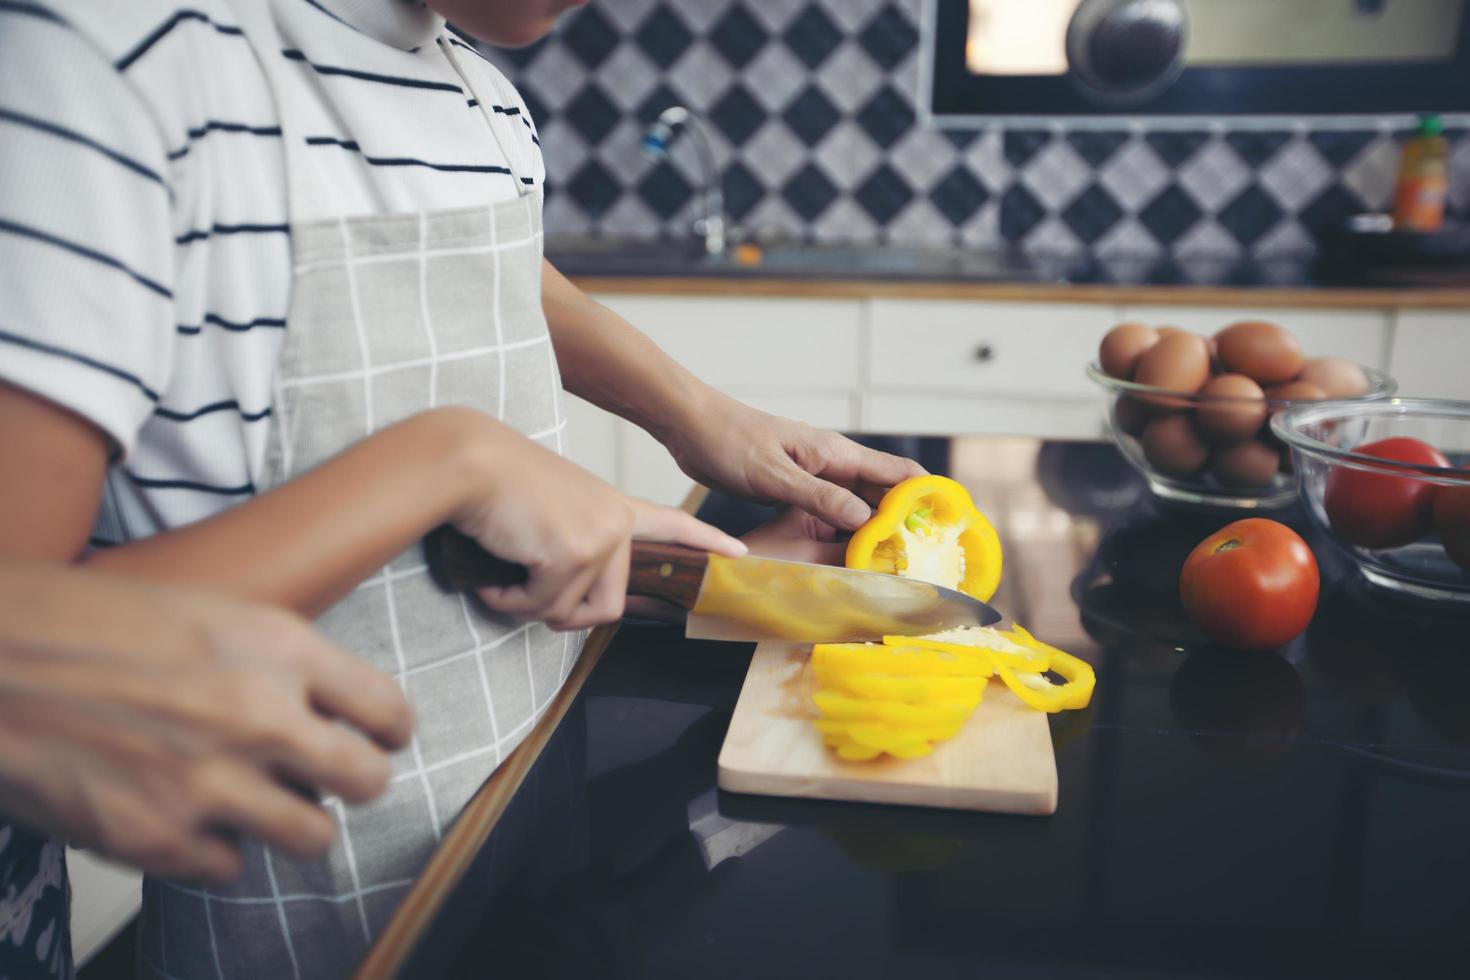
x=1297 y=813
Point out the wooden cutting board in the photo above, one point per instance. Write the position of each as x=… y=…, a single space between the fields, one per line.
x=1001 y=761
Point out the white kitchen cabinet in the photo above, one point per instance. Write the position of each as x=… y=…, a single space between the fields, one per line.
x=945 y=414
x=943 y=366
x=1363 y=336
x=828 y=410
x=1430 y=357
x=745 y=342
x=1029 y=350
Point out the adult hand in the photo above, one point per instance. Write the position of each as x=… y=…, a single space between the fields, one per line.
x=158 y=725
x=732 y=447
x=569 y=529
x=795 y=535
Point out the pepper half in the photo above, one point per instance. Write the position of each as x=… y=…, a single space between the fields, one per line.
x=928 y=528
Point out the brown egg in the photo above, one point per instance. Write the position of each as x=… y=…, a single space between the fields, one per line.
x=1173 y=332
x=1180 y=362
x=1246 y=465
x=1261 y=351
x=1337 y=377
x=1238 y=410
x=1123 y=346
x=1130 y=415
x=1174 y=446
x=1296 y=391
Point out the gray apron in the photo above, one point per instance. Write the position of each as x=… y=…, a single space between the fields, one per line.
x=390 y=315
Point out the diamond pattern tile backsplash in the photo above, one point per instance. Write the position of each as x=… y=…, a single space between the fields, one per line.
x=815 y=115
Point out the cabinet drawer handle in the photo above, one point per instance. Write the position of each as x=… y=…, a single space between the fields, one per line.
x=984 y=353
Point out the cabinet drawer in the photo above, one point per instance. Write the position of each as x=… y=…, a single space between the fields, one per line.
x=1013 y=348
x=825 y=410
x=733 y=342
x=1430 y=354
x=1358 y=335
x=945 y=415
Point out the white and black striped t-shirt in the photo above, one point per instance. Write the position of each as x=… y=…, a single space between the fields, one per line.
x=144 y=248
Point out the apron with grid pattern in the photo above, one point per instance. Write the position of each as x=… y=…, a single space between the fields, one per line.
x=389 y=316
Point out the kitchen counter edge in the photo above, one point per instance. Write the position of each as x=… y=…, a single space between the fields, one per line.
x=1304 y=297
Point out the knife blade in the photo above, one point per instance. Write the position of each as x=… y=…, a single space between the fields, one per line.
x=749 y=598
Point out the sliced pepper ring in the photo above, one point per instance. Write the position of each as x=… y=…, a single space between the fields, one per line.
x=1039 y=693
x=841 y=707
x=1020 y=651
x=864 y=658
x=913 y=689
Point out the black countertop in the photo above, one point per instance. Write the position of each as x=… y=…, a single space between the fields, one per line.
x=620 y=257
x=1295 y=814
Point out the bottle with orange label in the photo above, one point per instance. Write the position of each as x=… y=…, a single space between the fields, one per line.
x=1419 y=198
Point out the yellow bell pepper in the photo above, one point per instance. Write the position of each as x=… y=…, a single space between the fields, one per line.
x=869 y=658
x=902 y=697
x=1035 y=690
x=910 y=690
x=859 y=741
x=936 y=714
x=851 y=751
x=928 y=528
x=993 y=645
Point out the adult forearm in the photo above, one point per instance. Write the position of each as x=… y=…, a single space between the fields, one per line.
x=308 y=542
x=614 y=365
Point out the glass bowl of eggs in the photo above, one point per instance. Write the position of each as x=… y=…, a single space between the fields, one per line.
x=1389 y=481
x=1193 y=413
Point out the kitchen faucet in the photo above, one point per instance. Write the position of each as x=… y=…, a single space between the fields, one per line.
x=656 y=144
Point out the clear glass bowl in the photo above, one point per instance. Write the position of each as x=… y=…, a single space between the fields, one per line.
x=1132 y=407
x=1322 y=436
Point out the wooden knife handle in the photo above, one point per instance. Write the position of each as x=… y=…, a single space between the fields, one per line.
x=670 y=572
x=667 y=571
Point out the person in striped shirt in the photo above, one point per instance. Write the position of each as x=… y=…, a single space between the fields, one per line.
x=272 y=306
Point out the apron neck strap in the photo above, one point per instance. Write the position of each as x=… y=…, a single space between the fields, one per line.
x=453 y=57
x=302 y=188
x=265 y=41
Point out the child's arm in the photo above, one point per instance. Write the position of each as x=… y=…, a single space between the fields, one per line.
x=715 y=439
x=308 y=542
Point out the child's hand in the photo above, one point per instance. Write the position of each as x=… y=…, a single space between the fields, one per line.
x=571 y=530
x=793 y=535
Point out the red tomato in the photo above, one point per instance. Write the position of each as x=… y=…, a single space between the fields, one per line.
x=1252 y=584
x=1380 y=510
x=1452 y=521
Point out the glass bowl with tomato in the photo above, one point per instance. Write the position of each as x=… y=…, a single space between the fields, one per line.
x=1212 y=448
x=1389 y=481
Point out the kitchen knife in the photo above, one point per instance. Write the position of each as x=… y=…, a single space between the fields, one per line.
x=748 y=598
